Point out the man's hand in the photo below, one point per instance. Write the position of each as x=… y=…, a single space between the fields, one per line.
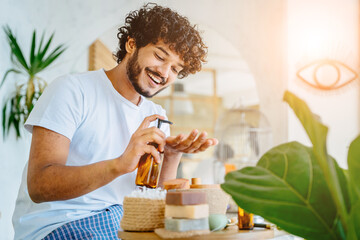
x=50 y=179
x=193 y=143
x=139 y=145
x=177 y=145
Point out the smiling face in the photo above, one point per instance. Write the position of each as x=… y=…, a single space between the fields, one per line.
x=152 y=68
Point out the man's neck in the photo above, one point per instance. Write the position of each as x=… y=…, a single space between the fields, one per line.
x=122 y=84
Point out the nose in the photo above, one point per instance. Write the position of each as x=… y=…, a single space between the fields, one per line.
x=164 y=70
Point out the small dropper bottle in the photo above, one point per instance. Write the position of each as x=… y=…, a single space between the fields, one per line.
x=148 y=170
x=245 y=220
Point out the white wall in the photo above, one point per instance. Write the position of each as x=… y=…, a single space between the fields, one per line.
x=317 y=30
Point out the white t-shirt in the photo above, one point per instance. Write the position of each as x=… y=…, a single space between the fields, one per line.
x=99 y=122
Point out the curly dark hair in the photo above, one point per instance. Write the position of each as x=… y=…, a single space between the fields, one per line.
x=153 y=23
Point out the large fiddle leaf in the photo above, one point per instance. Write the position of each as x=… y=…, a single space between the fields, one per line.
x=354 y=164
x=302 y=189
x=317 y=133
x=287 y=187
x=354 y=176
x=354 y=222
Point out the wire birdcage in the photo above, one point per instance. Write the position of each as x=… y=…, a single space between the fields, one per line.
x=244 y=136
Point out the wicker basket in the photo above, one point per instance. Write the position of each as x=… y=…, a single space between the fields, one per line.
x=142 y=214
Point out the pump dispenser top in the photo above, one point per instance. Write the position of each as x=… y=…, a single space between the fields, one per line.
x=160 y=121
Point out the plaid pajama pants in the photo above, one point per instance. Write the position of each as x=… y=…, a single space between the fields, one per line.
x=102 y=226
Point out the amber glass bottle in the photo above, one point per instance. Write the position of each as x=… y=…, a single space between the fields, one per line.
x=245 y=220
x=148 y=170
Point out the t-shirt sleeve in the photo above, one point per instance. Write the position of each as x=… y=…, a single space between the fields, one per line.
x=59 y=108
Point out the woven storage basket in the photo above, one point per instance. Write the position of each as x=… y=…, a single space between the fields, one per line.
x=142 y=214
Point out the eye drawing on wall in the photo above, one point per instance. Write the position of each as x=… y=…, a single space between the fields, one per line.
x=327 y=74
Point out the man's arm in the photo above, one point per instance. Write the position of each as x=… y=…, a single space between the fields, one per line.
x=176 y=146
x=49 y=179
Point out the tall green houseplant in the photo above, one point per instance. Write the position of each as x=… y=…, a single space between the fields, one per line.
x=302 y=189
x=18 y=106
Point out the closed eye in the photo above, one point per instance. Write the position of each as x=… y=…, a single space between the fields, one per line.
x=158 y=57
x=175 y=70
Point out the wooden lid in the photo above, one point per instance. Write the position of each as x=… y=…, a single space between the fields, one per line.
x=179 y=183
x=196 y=183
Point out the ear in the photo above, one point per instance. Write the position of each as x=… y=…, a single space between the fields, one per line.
x=130 y=45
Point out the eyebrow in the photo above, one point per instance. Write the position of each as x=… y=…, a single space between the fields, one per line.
x=167 y=54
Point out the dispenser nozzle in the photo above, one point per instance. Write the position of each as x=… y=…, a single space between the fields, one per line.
x=160 y=121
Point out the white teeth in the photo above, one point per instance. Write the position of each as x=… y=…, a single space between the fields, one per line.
x=154 y=78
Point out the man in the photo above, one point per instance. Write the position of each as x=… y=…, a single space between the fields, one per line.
x=90 y=130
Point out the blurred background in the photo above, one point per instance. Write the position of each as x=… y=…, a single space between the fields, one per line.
x=257 y=50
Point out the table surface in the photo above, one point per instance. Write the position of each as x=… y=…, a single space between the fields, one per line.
x=227 y=234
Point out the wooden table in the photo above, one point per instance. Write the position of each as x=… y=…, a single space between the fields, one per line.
x=227 y=234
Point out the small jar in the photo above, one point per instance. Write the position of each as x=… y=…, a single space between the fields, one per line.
x=245 y=220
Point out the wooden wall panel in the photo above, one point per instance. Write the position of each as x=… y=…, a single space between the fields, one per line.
x=100 y=57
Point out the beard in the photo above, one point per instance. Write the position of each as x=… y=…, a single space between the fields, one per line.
x=133 y=71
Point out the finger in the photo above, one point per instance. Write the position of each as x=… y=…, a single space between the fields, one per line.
x=188 y=141
x=153 y=152
x=214 y=141
x=197 y=143
x=152 y=131
x=174 y=141
x=146 y=122
x=208 y=143
x=154 y=135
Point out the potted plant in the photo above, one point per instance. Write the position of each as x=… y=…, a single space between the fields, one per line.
x=18 y=106
x=302 y=189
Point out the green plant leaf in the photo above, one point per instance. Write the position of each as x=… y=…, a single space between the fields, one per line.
x=32 y=49
x=17 y=115
x=11 y=116
x=354 y=222
x=317 y=133
x=15 y=49
x=17 y=109
x=54 y=55
x=354 y=169
x=41 y=64
x=7 y=73
x=4 y=118
x=41 y=43
x=354 y=164
x=16 y=123
x=38 y=63
x=46 y=47
x=287 y=187
x=37 y=58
